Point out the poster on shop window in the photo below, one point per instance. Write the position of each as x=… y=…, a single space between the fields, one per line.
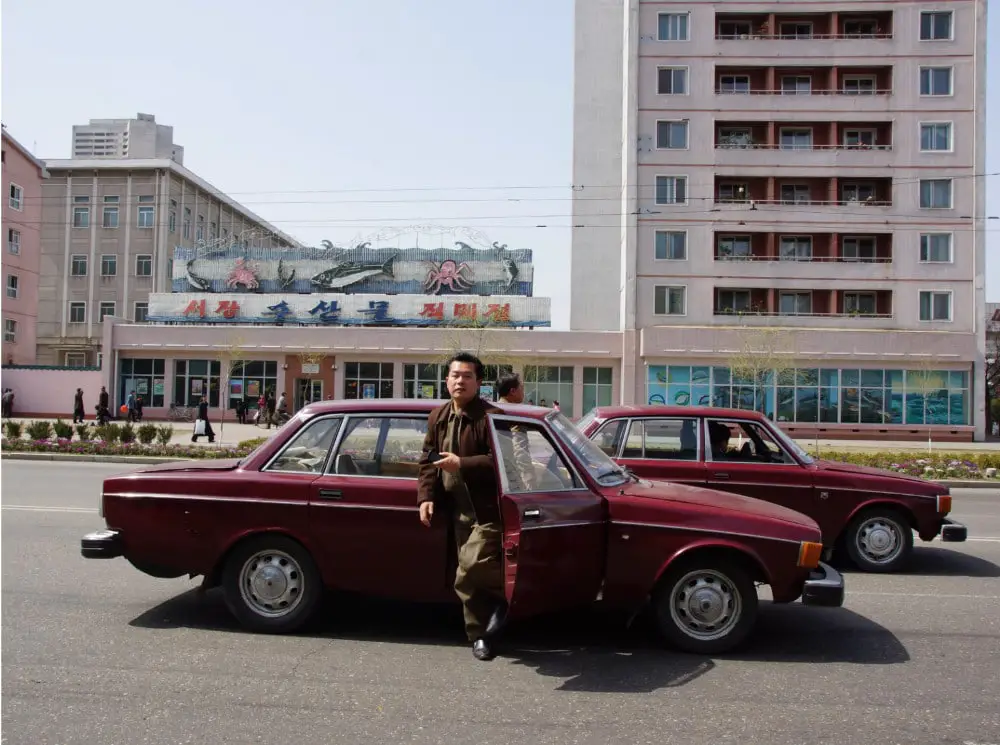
x=368 y=390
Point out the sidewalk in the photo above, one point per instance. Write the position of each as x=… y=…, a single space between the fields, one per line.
x=231 y=434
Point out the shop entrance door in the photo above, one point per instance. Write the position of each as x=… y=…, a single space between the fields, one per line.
x=307 y=391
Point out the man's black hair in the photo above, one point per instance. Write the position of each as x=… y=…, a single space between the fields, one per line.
x=508 y=382
x=471 y=359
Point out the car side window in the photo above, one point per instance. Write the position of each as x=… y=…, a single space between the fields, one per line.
x=663 y=439
x=529 y=460
x=606 y=438
x=380 y=446
x=744 y=442
x=306 y=452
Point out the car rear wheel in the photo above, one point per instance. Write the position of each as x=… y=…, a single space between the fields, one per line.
x=879 y=540
x=706 y=606
x=271 y=584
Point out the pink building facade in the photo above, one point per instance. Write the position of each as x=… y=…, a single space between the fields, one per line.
x=22 y=210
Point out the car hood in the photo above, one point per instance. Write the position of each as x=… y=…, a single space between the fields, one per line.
x=716 y=500
x=905 y=481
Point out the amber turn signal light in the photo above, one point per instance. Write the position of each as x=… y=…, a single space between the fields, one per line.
x=944 y=504
x=809 y=554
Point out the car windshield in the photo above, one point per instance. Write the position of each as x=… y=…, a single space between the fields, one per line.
x=603 y=470
x=585 y=420
x=790 y=444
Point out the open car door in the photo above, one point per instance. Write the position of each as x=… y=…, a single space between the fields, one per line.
x=554 y=525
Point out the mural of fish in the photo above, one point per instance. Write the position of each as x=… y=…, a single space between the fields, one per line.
x=510 y=272
x=199 y=283
x=350 y=272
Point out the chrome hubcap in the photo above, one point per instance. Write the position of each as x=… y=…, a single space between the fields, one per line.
x=271 y=583
x=705 y=604
x=880 y=540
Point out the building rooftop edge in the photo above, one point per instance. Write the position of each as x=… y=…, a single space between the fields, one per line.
x=25 y=152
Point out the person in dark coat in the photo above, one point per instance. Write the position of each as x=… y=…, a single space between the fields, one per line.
x=78 y=408
x=203 y=414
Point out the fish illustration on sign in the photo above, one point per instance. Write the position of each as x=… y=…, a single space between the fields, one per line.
x=351 y=272
x=510 y=273
x=199 y=283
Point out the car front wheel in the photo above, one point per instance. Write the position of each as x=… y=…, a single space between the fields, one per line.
x=271 y=584
x=879 y=540
x=706 y=606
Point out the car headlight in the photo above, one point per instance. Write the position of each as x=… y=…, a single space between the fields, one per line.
x=809 y=554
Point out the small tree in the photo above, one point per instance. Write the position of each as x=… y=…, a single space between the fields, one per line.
x=991 y=384
x=232 y=358
x=765 y=354
x=926 y=380
x=494 y=344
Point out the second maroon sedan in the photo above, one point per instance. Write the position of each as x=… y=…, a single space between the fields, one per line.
x=869 y=514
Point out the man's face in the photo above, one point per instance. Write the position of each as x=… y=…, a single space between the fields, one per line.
x=462 y=383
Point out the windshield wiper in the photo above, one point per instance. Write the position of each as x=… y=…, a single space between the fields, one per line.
x=611 y=472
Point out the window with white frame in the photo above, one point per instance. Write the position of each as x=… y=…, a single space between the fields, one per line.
x=110 y=215
x=795 y=30
x=857 y=248
x=860 y=28
x=857 y=192
x=935 y=136
x=78 y=265
x=935 y=25
x=859 y=303
x=12 y=286
x=734 y=84
x=795 y=248
x=81 y=217
x=673 y=26
x=859 y=138
x=935 y=193
x=669 y=300
x=735 y=138
x=796 y=139
x=186 y=227
x=106 y=308
x=796 y=85
x=734 y=29
x=16 y=197
x=671 y=81
x=13 y=241
x=795 y=193
x=670 y=245
x=795 y=303
x=144 y=265
x=733 y=247
x=147 y=212
x=141 y=312
x=671 y=189
x=172 y=216
x=935 y=305
x=935 y=81
x=109 y=265
x=76 y=359
x=78 y=312
x=671 y=135
x=733 y=192
x=732 y=301
x=935 y=248
x=858 y=85
x=9 y=330
x=199 y=232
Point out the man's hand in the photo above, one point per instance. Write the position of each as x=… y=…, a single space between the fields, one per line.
x=449 y=462
x=426 y=513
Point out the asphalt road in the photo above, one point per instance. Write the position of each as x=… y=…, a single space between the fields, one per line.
x=95 y=652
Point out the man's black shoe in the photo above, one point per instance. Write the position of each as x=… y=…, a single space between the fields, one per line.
x=482 y=650
x=496 y=621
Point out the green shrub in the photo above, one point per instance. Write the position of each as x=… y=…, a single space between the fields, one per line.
x=63 y=431
x=110 y=432
x=127 y=433
x=164 y=433
x=147 y=433
x=252 y=444
x=83 y=432
x=13 y=429
x=39 y=430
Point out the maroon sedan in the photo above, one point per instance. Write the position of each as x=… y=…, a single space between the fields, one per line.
x=868 y=513
x=329 y=502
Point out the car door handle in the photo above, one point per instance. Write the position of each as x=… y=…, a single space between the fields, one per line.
x=330 y=494
x=720 y=475
x=532 y=514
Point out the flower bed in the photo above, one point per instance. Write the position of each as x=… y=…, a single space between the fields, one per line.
x=965 y=466
x=99 y=447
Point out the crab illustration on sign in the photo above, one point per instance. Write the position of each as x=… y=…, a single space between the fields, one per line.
x=244 y=273
x=448 y=274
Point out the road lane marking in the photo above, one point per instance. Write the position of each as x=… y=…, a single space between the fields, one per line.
x=40 y=508
x=849 y=592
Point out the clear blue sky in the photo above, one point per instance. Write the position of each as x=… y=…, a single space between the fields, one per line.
x=283 y=105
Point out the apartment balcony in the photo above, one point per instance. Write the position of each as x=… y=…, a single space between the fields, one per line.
x=804 y=303
x=791 y=193
x=804 y=248
x=803 y=143
x=803 y=87
x=800 y=27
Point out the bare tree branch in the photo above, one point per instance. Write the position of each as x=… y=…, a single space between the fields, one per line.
x=763 y=352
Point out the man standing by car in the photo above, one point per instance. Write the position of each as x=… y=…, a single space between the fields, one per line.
x=456 y=472
x=522 y=476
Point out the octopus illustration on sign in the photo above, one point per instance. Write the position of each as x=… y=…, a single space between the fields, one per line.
x=350 y=272
x=448 y=274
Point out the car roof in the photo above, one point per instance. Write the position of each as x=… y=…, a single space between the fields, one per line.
x=415 y=405
x=613 y=412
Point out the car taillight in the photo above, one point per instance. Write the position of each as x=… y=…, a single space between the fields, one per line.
x=944 y=504
x=809 y=554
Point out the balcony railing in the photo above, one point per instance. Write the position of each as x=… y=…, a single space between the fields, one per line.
x=778 y=313
x=797 y=201
x=809 y=260
x=800 y=37
x=812 y=92
x=779 y=146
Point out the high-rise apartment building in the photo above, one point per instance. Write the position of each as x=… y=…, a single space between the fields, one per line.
x=141 y=137
x=800 y=183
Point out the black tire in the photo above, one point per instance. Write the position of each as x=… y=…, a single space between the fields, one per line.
x=721 y=578
x=877 y=523
x=283 y=564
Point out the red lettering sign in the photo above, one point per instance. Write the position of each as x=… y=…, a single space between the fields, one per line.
x=498 y=313
x=195 y=306
x=465 y=310
x=228 y=308
x=433 y=310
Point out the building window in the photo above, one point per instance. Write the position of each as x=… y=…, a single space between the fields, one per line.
x=78 y=312
x=186 y=227
x=935 y=193
x=732 y=301
x=735 y=138
x=734 y=29
x=368 y=380
x=16 y=198
x=145 y=377
x=673 y=26
x=81 y=217
x=597 y=387
x=796 y=248
x=796 y=85
x=144 y=265
x=935 y=81
x=935 y=247
x=78 y=265
x=935 y=136
x=858 y=86
x=734 y=84
x=110 y=217
x=795 y=194
x=12 y=282
x=106 y=308
x=796 y=30
x=545 y=385
x=671 y=81
x=857 y=193
x=14 y=241
x=172 y=216
x=670 y=245
x=109 y=265
x=857 y=248
x=671 y=135
x=249 y=380
x=669 y=301
x=194 y=379
x=859 y=138
x=425 y=381
x=861 y=28
x=795 y=303
x=141 y=312
x=9 y=330
x=671 y=189
x=200 y=231
x=76 y=359
x=935 y=25
x=935 y=306
x=146 y=217
x=796 y=139
x=732 y=247
x=859 y=303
